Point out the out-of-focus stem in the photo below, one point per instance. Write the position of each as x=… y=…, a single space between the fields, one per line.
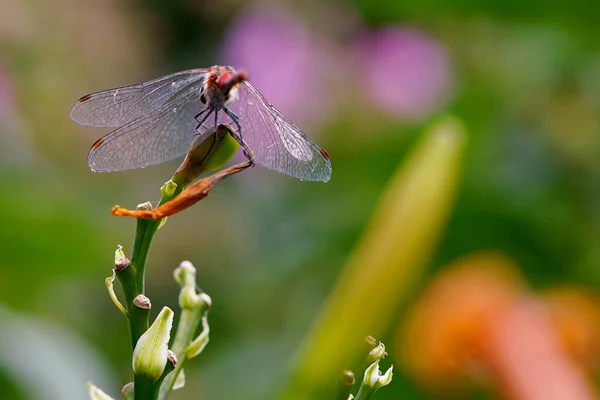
x=390 y=256
x=169 y=381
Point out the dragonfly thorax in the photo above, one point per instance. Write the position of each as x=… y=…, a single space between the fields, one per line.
x=220 y=86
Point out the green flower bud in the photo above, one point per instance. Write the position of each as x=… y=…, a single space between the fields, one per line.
x=151 y=351
x=377 y=353
x=372 y=374
x=168 y=189
x=223 y=154
x=373 y=380
x=97 y=394
x=210 y=154
x=185 y=276
x=345 y=382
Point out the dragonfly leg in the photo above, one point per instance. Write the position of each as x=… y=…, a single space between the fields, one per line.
x=238 y=135
x=209 y=109
x=214 y=135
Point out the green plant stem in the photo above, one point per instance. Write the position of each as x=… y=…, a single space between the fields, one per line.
x=144 y=389
x=133 y=282
x=132 y=278
x=365 y=393
x=186 y=330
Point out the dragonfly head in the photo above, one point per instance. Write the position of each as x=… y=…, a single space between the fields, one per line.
x=228 y=80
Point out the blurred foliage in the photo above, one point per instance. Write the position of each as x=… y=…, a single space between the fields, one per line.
x=268 y=248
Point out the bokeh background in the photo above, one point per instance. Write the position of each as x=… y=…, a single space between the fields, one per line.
x=362 y=77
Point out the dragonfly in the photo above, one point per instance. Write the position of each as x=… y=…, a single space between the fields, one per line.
x=156 y=121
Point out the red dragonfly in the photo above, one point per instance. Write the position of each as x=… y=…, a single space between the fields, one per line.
x=157 y=121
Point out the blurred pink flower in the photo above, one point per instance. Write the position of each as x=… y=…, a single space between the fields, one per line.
x=405 y=72
x=283 y=58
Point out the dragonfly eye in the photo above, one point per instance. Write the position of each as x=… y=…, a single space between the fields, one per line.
x=203 y=98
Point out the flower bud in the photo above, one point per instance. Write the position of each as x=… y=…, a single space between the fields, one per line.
x=345 y=382
x=372 y=374
x=371 y=341
x=224 y=153
x=373 y=379
x=97 y=394
x=168 y=189
x=377 y=353
x=151 y=351
x=185 y=276
x=206 y=154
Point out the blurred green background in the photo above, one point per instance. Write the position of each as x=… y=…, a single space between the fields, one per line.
x=361 y=78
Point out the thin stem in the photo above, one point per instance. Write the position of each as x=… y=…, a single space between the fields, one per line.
x=364 y=393
x=169 y=381
x=141 y=248
x=186 y=329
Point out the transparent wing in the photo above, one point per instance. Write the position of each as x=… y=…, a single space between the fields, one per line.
x=276 y=142
x=156 y=137
x=116 y=107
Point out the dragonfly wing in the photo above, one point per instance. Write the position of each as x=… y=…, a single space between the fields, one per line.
x=116 y=107
x=156 y=137
x=275 y=141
